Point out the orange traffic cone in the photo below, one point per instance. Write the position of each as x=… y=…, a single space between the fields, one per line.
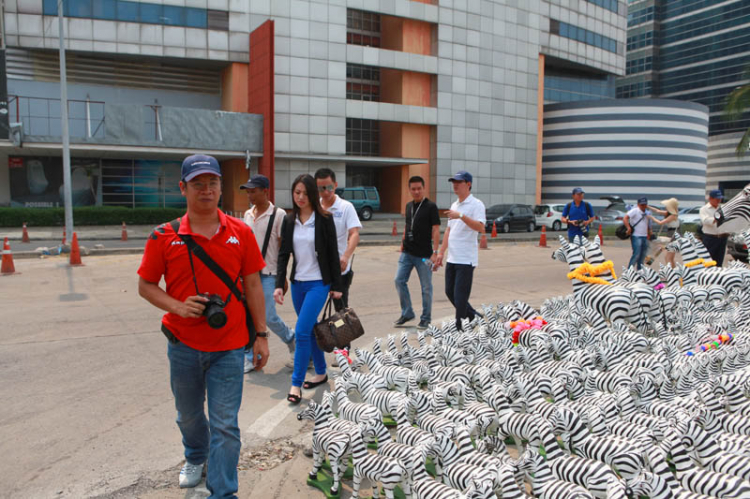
x=543 y=238
x=7 y=267
x=483 y=242
x=25 y=237
x=601 y=236
x=394 y=232
x=494 y=230
x=124 y=233
x=75 y=253
x=65 y=238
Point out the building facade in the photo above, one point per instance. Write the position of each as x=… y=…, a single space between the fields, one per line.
x=628 y=148
x=377 y=91
x=726 y=170
x=696 y=51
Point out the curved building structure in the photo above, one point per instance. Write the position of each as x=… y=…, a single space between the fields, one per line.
x=727 y=171
x=630 y=148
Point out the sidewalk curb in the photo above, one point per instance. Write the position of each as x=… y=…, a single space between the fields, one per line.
x=25 y=255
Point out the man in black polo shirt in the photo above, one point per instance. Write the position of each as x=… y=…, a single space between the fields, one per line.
x=418 y=250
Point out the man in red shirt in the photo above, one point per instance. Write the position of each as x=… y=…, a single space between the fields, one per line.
x=206 y=362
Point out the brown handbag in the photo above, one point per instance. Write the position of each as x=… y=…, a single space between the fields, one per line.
x=337 y=330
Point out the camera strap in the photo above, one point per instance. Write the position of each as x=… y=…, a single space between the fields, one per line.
x=197 y=250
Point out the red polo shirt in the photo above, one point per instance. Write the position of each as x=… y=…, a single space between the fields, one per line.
x=234 y=248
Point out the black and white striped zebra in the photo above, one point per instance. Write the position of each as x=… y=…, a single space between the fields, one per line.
x=543 y=483
x=621 y=455
x=328 y=442
x=389 y=471
x=461 y=475
x=351 y=411
x=389 y=402
x=327 y=420
x=396 y=377
x=413 y=457
x=427 y=488
x=696 y=439
x=735 y=400
x=737 y=208
x=703 y=481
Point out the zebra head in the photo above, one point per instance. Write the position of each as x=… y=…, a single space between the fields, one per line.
x=530 y=460
x=736 y=208
x=313 y=412
x=563 y=420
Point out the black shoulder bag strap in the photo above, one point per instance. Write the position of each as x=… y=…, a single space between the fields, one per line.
x=269 y=229
x=214 y=267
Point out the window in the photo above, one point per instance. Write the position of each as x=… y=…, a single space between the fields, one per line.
x=362 y=28
x=582 y=35
x=373 y=195
x=362 y=82
x=358 y=195
x=362 y=137
x=143 y=12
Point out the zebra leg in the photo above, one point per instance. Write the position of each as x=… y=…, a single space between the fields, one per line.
x=336 y=469
x=317 y=461
x=375 y=489
x=356 y=483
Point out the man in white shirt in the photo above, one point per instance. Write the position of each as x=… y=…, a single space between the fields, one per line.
x=466 y=219
x=714 y=241
x=639 y=228
x=258 y=217
x=347 y=226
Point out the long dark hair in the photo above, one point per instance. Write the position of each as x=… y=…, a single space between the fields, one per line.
x=312 y=194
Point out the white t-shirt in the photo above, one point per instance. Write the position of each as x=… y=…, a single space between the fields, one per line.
x=304 y=251
x=463 y=247
x=345 y=218
x=259 y=224
x=707 y=213
x=640 y=230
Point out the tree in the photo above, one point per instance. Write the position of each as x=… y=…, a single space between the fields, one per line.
x=738 y=103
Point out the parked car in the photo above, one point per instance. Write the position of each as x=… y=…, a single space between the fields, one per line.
x=612 y=215
x=549 y=215
x=366 y=200
x=690 y=216
x=736 y=247
x=509 y=217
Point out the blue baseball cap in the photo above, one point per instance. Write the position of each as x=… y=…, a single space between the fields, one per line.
x=578 y=190
x=199 y=164
x=643 y=200
x=461 y=176
x=259 y=181
x=716 y=194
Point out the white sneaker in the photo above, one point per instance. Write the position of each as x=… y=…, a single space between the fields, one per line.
x=249 y=367
x=190 y=475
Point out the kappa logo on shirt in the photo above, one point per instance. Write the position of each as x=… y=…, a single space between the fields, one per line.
x=338 y=214
x=233 y=240
x=177 y=243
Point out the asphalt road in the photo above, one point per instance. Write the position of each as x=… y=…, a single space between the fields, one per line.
x=87 y=410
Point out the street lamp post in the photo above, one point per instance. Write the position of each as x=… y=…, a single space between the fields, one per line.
x=67 y=188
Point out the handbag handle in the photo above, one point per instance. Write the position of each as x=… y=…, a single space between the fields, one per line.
x=327 y=309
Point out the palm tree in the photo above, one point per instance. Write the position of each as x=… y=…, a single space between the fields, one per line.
x=738 y=103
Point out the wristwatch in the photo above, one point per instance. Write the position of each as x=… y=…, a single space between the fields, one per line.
x=461 y=215
x=263 y=334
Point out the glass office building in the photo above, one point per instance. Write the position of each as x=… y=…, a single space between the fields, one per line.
x=693 y=50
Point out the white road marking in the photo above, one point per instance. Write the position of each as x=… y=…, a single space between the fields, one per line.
x=269 y=420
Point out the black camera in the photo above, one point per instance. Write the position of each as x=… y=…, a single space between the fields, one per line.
x=214 y=311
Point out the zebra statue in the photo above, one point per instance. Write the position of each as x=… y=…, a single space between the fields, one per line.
x=736 y=209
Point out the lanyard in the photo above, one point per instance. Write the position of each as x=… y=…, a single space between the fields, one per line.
x=414 y=213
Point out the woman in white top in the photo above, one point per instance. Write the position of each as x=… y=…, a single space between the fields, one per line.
x=309 y=235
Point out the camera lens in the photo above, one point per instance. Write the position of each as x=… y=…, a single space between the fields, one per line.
x=216 y=317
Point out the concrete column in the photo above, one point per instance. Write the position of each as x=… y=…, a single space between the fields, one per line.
x=4 y=180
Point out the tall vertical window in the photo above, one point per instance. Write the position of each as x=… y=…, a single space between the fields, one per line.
x=362 y=82
x=362 y=137
x=362 y=28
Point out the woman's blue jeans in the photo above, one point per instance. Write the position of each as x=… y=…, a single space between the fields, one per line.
x=217 y=376
x=308 y=297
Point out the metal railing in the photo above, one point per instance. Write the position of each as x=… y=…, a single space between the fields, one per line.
x=41 y=116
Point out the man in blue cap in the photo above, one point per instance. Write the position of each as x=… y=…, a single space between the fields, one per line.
x=714 y=241
x=265 y=219
x=638 y=223
x=578 y=214
x=466 y=218
x=206 y=358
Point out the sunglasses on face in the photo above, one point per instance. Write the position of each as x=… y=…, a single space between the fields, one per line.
x=323 y=188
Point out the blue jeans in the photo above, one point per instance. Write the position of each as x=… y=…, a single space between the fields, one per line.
x=640 y=248
x=405 y=263
x=308 y=297
x=218 y=376
x=273 y=321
